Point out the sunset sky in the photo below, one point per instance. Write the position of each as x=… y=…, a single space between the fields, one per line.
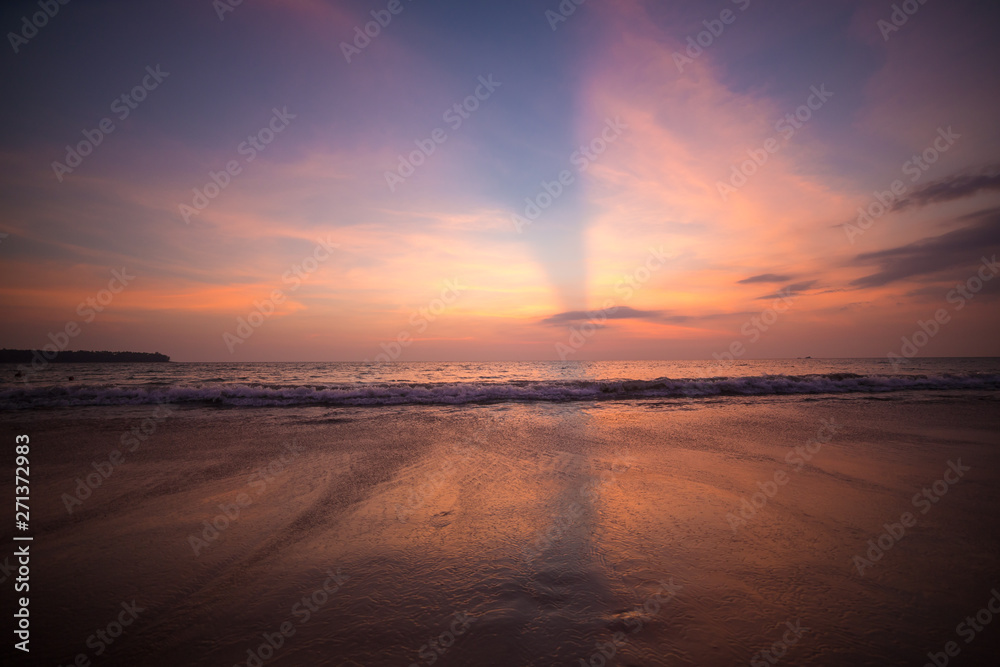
x=639 y=240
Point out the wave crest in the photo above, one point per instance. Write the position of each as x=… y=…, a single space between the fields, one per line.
x=259 y=395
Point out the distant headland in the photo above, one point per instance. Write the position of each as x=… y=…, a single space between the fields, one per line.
x=81 y=357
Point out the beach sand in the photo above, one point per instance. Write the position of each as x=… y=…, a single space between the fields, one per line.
x=515 y=534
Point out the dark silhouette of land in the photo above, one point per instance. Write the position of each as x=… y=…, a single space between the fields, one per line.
x=82 y=357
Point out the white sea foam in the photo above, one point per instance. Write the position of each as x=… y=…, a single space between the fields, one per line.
x=361 y=394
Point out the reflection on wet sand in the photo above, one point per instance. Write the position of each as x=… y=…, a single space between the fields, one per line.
x=522 y=535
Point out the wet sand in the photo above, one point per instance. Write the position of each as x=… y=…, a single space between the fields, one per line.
x=517 y=534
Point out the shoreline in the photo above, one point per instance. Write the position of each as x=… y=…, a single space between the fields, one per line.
x=429 y=512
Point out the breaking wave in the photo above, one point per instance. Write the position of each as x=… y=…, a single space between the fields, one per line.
x=262 y=395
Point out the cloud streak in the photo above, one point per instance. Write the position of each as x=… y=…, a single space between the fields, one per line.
x=764 y=278
x=954 y=187
x=790 y=290
x=932 y=255
x=617 y=313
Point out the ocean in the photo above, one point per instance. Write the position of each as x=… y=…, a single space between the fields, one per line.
x=797 y=512
x=456 y=383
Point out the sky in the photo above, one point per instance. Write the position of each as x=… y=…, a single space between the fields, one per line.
x=312 y=180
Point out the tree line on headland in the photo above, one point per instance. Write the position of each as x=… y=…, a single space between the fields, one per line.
x=82 y=357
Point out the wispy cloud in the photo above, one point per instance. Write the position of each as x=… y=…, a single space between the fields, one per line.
x=790 y=290
x=764 y=278
x=956 y=186
x=961 y=247
x=619 y=313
